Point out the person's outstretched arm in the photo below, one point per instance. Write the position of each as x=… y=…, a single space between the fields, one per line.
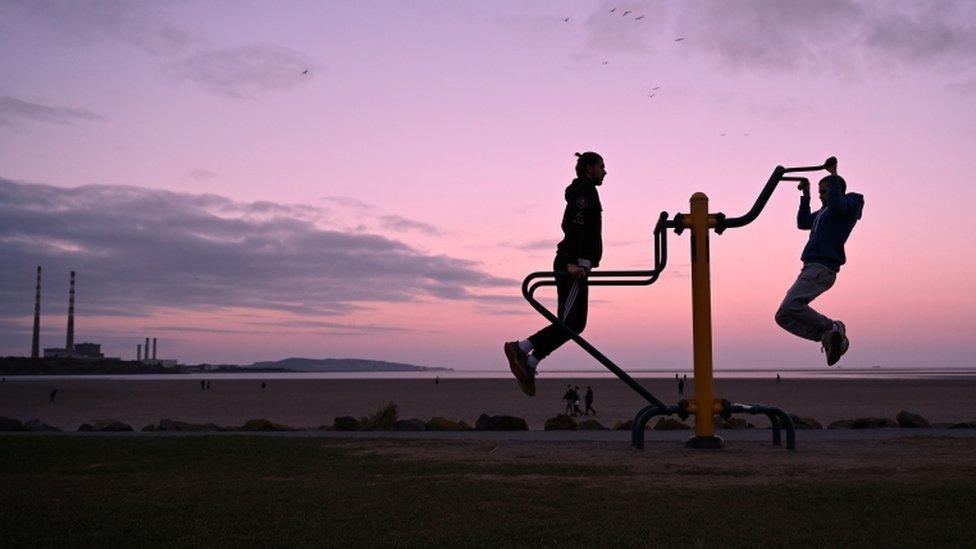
x=804 y=219
x=838 y=201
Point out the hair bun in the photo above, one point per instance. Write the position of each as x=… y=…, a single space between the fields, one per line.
x=577 y=154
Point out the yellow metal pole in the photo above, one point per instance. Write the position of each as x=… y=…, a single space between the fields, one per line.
x=701 y=313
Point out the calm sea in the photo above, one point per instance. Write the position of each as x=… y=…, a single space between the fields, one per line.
x=833 y=373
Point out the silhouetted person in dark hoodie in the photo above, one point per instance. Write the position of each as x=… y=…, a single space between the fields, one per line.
x=681 y=387
x=589 y=401
x=822 y=257
x=579 y=251
x=54 y=394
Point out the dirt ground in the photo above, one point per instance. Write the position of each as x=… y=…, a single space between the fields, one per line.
x=744 y=463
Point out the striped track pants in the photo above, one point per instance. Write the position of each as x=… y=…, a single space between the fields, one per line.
x=573 y=295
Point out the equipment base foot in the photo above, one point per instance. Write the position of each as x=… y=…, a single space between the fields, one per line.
x=705 y=443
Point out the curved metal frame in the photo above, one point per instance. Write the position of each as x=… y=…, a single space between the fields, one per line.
x=777 y=418
x=646 y=279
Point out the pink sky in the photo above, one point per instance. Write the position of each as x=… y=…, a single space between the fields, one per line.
x=437 y=137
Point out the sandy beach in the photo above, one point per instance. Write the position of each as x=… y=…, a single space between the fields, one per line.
x=310 y=403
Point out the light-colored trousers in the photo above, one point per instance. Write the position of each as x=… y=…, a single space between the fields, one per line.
x=795 y=314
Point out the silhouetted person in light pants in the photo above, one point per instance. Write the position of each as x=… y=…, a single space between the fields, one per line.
x=822 y=257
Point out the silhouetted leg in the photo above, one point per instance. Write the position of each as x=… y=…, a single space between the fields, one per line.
x=795 y=314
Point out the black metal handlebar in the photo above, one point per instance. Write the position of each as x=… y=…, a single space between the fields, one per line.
x=723 y=222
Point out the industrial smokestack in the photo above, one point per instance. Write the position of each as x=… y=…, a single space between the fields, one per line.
x=139 y=352
x=146 y=349
x=154 y=348
x=69 y=343
x=36 y=341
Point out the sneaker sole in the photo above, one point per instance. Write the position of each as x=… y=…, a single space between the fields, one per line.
x=527 y=386
x=836 y=351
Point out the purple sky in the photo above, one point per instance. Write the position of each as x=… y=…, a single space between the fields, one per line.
x=387 y=204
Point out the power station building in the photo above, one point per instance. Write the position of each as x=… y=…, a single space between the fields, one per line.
x=82 y=351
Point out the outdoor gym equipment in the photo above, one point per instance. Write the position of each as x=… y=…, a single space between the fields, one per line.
x=703 y=406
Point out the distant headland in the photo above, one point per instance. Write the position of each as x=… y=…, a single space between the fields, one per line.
x=342 y=365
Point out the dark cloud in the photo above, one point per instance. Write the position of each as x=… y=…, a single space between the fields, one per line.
x=924 y=32
x=606 y=33
x=534 y=245
x=780 y=36
x=348 y=202
x=13 y=109
x=967 y=87
x=243 y=71
x=201 y=174
x=184 y=52
x=137 y=249
x=402 y=224
x=337 y=328
x=775 y=36
x=142 y=24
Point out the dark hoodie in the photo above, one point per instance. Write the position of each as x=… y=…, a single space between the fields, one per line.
x=829 y=226
x=582 y=224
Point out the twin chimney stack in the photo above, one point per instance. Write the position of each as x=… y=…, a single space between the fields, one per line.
x=141 y=355
x=69 y=344
x=36 y=341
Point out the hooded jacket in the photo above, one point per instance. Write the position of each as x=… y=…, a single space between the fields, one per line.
x=582 y=242
x=829 y=226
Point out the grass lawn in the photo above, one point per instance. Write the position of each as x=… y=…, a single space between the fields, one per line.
x=280 y=491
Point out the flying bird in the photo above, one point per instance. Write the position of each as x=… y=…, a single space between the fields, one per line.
x=606 y=62
x=625 y=13
x=655 y=88
x=305 y=71
x=638 y=18
x=678 y=39
x=614 y=9
x=566 y=20
x=652 y=95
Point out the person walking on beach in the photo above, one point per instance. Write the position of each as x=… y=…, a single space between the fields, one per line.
x=568 y=399
x=822 y=257
x=589 y=401
x=53 y=394
x=576 y=402
x=577 y=253
x=681 y=387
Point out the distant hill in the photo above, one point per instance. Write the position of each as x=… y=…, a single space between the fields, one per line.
x=343 y=365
